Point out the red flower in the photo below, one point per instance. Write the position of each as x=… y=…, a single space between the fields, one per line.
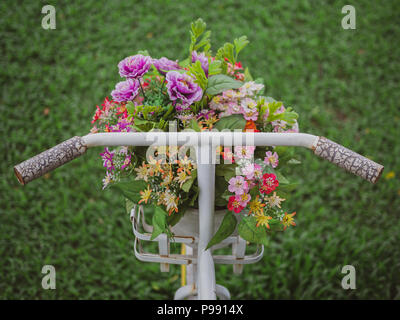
x=234 y=205
x=238 y=66
x=270 y=183
x=97 y=114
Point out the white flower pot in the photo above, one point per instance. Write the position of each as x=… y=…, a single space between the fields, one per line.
x=189 y=224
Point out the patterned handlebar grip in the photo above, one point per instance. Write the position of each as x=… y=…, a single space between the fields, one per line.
x=348 y=160
x=49 y=160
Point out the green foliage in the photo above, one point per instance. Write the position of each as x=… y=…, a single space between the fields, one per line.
x=198 y=74
x=198 y=29
x=219 y=83
x=227 y=227
x=188 y=184
x=159 y=222
x=232 y=122
x=226 y=170
x=130 y=188
x=231 y=51
x=249 y=231
x=214 y=68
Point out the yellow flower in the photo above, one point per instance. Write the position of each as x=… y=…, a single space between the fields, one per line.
x=256 y=206
x=145 y=195
x=390 y=175
x=182 y=178
x=263 y=220
x=186 y=164
x=168 y=178
x=274 y=200
x=142 y=172
x=155 y=166
x=288 y=220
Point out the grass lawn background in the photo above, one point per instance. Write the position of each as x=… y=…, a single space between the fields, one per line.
x=343 y=83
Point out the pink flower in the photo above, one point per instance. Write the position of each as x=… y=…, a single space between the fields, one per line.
x=252 y=170
x=244 y=152
x=244 y=199
x=271 y=159
x=238 y=185
x=250 y=113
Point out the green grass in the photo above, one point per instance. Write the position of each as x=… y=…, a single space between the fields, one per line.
x=344 y=84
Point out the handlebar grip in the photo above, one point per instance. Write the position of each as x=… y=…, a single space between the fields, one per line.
x=49 y=160
x=348 y=160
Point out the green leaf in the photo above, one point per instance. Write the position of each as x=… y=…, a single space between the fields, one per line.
x=198 y=74
x=249 y=231
x=194 y=125
x=159 y=222
x=281 y=178
x=226 y=170
x=174 y=218
x=247 y=75
x=220 y=82
x=221 y=186
x=214 y=68
x=129 y=205
x=130 y=188
x=240 y=43
x=235 y=121
x=226 y=228
x=188 y=184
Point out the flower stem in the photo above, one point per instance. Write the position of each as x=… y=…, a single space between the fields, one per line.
x=141 y=88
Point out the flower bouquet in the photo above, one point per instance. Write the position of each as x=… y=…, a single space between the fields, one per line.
x=203 y=92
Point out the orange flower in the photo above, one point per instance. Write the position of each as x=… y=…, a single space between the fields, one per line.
x=250 y=126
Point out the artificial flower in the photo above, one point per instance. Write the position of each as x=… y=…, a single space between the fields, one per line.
x=288 y=220
x=274 y=200
x=125 y=90
x=271 y=159
x=256 y=206
x=145 y=195
x=263 y=220
x=182 y=87
x=234 y=205
x=238 y=185
x=134 y=67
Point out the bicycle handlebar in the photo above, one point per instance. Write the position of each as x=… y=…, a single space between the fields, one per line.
x=49 y=160
x=348 y=160
x=68 y=150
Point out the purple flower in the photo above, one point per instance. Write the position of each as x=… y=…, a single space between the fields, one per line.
x=125 y=90
x=203 y=60
x=163 y=65
x=181 y=86
x=122 y=126
x=134 y=67
x=126 y=162
x=107 y=157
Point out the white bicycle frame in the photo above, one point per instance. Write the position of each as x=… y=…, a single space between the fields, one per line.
x=205 y=144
